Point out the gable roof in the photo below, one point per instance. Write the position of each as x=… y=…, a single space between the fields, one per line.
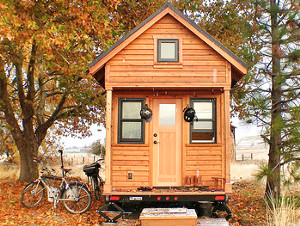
x=97 y=64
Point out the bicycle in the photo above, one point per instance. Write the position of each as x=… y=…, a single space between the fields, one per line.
x=92 y=172
x=74 y=195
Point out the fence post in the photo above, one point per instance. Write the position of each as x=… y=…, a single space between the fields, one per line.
x=243 y=157
x=251 y=156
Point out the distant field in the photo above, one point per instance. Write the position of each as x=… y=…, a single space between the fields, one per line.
x=243 y=170
x=72 y=161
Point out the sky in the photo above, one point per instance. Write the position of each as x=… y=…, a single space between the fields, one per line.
x=69 y=142
x=242 y=130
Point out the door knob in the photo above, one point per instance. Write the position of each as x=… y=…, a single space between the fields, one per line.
x=155 y=134
x=155 y=142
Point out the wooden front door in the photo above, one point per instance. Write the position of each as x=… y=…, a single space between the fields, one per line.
x=167 y=142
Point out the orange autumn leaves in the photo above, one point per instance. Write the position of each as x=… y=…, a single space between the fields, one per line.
x=246 y=202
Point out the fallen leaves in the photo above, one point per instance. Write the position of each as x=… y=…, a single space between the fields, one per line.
x=246 y=202
x=13 y=213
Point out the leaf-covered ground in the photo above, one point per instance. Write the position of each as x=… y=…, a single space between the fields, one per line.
x=246 y=203
x=13 y=213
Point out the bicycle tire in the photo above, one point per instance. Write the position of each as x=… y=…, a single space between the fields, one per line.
x=32 y=194
x=77 y=198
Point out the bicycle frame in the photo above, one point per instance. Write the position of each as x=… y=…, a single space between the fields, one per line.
x=56 y=192
x=74 y=194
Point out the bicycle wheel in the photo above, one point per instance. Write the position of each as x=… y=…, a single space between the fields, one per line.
x=77 y=198
x=32 y=194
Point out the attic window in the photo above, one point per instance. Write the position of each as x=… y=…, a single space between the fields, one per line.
x=167 y=50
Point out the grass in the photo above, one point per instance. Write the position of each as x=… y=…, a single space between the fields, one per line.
x=243 y=170
x=9 y=172
x=283 y=212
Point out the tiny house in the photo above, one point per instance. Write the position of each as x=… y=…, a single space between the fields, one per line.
x=181 y=76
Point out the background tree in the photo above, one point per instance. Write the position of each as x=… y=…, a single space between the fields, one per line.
x=97 y=148
x=270 y=96
x=45 y=48
x=7 y=147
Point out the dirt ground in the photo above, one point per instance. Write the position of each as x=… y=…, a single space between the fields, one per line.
x=246 y=203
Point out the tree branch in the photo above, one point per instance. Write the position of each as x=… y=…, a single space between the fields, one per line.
x=290 y=160
x=41 y=131
x=41 y=102
x=20 y=89
x=30 y=72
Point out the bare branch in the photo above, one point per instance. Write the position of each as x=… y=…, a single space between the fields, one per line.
x=30 y=72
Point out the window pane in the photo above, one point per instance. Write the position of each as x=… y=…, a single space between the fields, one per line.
x=203 y=125
x=203 y=130
x=203 y=110
x=131 y=130
x=131 y=110
x=167 y=50
x=167 y=113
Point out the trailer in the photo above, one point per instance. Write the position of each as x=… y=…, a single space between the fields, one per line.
x=167 y=86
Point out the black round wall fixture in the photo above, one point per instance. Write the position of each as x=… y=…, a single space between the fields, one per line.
x=146 y=112
x=189 y=114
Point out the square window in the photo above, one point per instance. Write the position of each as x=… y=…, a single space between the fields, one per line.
x=167 y=50
x=203 y=128
x=130 y=123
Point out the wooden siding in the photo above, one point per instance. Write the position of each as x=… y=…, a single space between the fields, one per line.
x=135 y=65
x=133 y=160
x=208 y=159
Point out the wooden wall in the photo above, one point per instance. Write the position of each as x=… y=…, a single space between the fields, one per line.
x=208 y=159
x=130 y=159
x=135 y=65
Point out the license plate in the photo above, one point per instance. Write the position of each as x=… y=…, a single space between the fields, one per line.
x=135 y=198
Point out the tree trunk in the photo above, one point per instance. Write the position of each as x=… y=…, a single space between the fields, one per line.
x=273 y=179
x=28 y=146
x=28 y=168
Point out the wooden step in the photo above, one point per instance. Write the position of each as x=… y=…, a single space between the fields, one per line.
x=168 y=216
